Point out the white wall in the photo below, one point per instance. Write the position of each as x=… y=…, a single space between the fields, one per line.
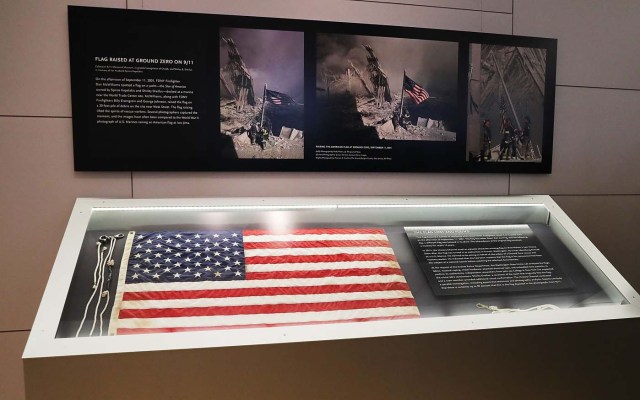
x=596 y=167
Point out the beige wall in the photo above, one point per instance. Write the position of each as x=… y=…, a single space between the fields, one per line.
x=595 y=176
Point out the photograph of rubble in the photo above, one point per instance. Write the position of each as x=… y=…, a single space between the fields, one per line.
x=371 y=88
x=506 y=103
x=262 y=93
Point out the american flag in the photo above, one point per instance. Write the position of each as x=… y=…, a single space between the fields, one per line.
x=415 y=91
x=278 y=98
x=182 y=281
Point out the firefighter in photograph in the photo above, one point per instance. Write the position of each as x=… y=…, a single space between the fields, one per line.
x=253 y=132
x=262 y=137
x=507 y=144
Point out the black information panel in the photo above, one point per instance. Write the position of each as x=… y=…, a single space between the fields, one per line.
x=485 y=259
x=177 y=91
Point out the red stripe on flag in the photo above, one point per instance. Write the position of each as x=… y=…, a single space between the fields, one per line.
x=324 y=273
x=318 y=258
x=321 y=231
x=316 y=243
x=264 y=308
x=413 y=96
x=267 y=291
x=132 y=331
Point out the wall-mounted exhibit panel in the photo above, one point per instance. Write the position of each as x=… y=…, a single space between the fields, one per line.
x=135 y=275
x=177 y=91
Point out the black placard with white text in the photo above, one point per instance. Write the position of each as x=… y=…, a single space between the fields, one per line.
x=485 y=259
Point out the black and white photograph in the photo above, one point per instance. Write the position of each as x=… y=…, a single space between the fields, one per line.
x=506 y=103
x=373 y=88
x=262 y=93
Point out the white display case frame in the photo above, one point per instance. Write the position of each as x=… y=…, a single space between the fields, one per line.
x=42 y=342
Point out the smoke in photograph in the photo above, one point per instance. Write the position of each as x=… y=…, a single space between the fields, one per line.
x=272 y=57
x=433 y=64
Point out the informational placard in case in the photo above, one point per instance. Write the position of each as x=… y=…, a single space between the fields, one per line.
x=177 y=91
x=460 y=260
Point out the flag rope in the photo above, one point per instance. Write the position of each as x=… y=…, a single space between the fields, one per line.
x=496 y=310
x=99 y=280
x=95 y=277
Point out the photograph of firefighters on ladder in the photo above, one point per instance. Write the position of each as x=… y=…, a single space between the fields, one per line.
x=372 y=88
x=262 y=92
x=506 y=103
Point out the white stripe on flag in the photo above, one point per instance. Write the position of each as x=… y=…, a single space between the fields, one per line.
x=317 y=251
x=252 y=319
x=334 y=280
x=320 y=266
x=257 y=300
x=312 y=237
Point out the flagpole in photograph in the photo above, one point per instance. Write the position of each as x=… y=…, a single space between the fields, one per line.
x=264 y=98
x=513 y=109
x=404 y=74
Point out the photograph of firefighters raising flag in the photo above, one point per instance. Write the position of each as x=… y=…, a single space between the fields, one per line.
x=506 y=103
x=372 y=88
x=262 y=93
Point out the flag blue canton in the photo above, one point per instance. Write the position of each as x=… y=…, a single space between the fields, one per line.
x=186 y=257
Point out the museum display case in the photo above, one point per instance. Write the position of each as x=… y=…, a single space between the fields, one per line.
x=186 y=289
x=141 y=275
